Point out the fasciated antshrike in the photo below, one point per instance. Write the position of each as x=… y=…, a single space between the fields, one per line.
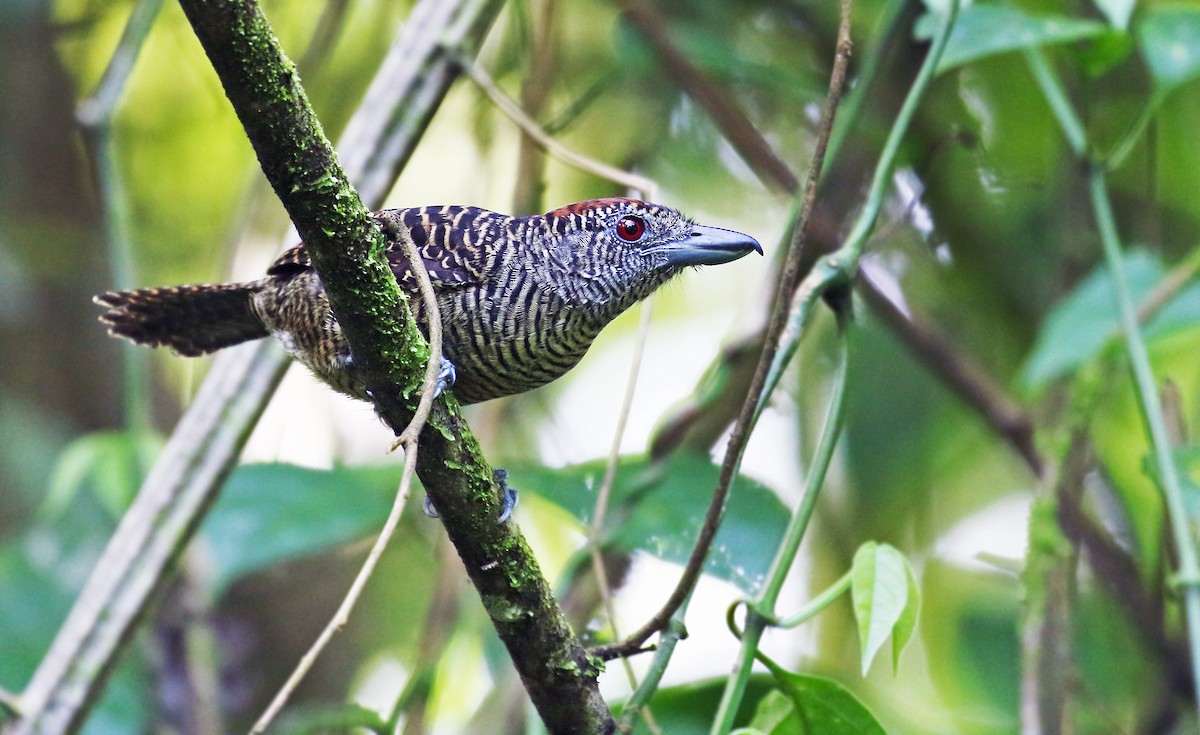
x=521 y=298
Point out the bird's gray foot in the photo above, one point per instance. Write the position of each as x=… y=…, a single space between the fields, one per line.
x=446 y=377
x=507 y=504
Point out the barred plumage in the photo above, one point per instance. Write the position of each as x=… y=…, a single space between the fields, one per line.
x=521 y=298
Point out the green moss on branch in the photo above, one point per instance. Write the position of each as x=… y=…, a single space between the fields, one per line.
x=347 y=250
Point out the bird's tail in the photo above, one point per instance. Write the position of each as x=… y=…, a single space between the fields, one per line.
x=192 y=320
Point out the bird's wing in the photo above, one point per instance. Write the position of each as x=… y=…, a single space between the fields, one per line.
x=454 y=243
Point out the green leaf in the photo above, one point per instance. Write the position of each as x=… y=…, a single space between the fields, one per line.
x=906 y=624
x=269 y=513
x=819 y=707
x=775 y=715
x=1117 y=12
x=40 y=574
x=879 y=588
x=986 y=30
x=659 y=510
x=1083 y=324
x=1170 y=41
x=110 y=464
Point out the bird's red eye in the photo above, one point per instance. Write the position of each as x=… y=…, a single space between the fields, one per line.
x=630 y=228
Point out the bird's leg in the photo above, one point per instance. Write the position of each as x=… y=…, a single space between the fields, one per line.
x=507 y=504
x=446 y=377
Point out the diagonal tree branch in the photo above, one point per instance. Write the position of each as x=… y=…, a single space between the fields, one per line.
x=347 y=251
x=406 y=92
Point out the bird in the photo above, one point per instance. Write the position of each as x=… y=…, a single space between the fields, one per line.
x=520 y=298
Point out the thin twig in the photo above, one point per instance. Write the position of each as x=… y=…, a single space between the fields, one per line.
x=1188 y=574
x=94 y=116
x=647 y=187
x=1166 y=472
x=530 y=181
x=788 y=277
x=1171 y=284
x=434 y=316
x=408 y=441
x=596 y=534
x=715 y=99
x=343 y=612
x=637 y=705
x=330 y=23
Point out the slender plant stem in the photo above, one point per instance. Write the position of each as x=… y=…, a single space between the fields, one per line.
x=637 y=702
x=818 y=603
x=596 y=533
x=1056 y=97
x=865 y=223
x=760 y=614
x=841 y=266
x=1125 y=146
x=95 y=115
x=831 y=271
x=1147 y=391
x=1167 y=473
x=117 y=231
x=509 y=107
x=1169 y=287
x=743 y=427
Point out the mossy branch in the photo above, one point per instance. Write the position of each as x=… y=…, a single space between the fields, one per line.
x=175 y=496
x=347 y=251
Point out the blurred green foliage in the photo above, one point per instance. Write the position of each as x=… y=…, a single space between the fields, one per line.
x=990 y=239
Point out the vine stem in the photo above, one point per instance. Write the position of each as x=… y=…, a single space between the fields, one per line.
x=1147 y=392
x=758 y=614
x=743 y=427
x=832 y=272
x=1188 y=576
x=94 y=116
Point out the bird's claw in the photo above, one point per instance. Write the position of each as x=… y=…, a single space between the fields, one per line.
x=446 y=377
x=507 y=504
x=511 y=497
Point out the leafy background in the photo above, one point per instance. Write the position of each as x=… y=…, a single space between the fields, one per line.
x=990 y=239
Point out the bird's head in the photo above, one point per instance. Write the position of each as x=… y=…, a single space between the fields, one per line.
x=617 y=251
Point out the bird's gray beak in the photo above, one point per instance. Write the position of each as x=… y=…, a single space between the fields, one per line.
x=708 y=246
